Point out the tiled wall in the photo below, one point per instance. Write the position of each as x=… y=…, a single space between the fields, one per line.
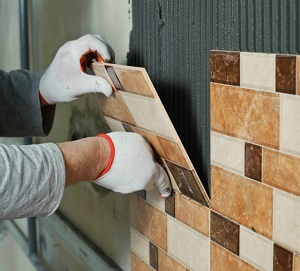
x=254 y=220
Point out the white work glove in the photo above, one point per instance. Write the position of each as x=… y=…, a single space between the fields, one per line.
x=132 y=166
x=65 y=79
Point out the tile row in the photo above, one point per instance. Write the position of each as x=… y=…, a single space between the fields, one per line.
x=261 y=71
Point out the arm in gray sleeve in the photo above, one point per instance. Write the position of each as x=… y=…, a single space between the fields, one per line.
x=20 y=111
x=32 y=180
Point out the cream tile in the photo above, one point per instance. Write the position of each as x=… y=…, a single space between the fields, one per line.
x=114 y=125
x=153 y=197
x=228 y=152
x=140 y=245
x=188 y=246
x=286 y=220
x=148 y=114
x=256 y=249
x=258 y=71
x=289 y=124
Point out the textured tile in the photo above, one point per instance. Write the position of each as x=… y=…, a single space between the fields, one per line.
x=192 y=214
x=246 y=114
x=188 y=246
x=286 y=74
x=283 y=259
x=170 y=205
x=114 y=78
x=153 y=197
x=258 y=71
x=289 y=124
x=153 y=250
x=281 y=171
x=224 y=232
x=227 y=152
x=242 y=200
x=186 y=182
x=139 y=245
x=172 y=180
x=149 y=221
x=286 y=220
x=167 y=263
x=225 y=67
x=296 y=262
x=298 y=75
x=256 y=249
x=100 y=70
x=114 y=125
x=253 y=161
x=138 y=265
x=222 y=260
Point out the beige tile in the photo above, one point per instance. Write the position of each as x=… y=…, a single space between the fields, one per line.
x=139 y=265
x=245 y=114
x=296 y=262
x=289 y=124
x=188 y=246
x=149 y=221
x=167 y=263
x=99 y=69
x=228 y=152
x=139 y=245
x=192 y=214
x=148 y=114
x=298 y=76
x=154 y=198
x=258 y=71
x=114 y=125
x=282 y=171
x=256 y=249
x=222 y=260
x=286 y=220
x=245 y=201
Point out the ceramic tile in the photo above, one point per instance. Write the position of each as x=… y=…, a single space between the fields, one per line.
x=224 y=232
x=186 y=182
x=153 y=255
x=283 y=259
x=225 y=67
x=281 y=171
x=192 y=214
x=167 y=263
x=154 y=198
x=286 y=220
x=256 y=249
x=170 y=205
x=188 y=246
x=289 y=124
x=222 y=260
x=138 y=265
x=253 y=161
x=114 y=125
x=114 y=78
x=246 y=114
x=296 y=262
x=258 y=71
x=298 y=75
x=286 y=74
x=140 y=245
x=149 y=221
x=101 y=71
x=172 y=180
x=242 y=200
x=227 y=152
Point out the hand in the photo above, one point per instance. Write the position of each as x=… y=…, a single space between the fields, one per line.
x=65 y=79
x=132 y=166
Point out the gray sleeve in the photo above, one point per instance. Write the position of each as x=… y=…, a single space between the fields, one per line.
x=20 y=111
x=32 y=180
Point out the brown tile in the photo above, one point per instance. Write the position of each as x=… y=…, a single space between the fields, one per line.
x=141 y=194
x=99 y=69
x=170 y=205
x=153 y=255
x=149 y=221
x=115 y=107
x=139 y=265
x=286 y=74
x=225 y=67
x=245 y=201
x=225 y=232
x=298 y=75
x=283 y=259
x=114 y=78
x=166 y=263
x=281 y=171
x=253 y=161
x=296 y=262
x=186 y=182
x=192 y=214
x=246 y=114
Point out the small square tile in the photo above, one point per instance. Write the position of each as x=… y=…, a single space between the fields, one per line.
x=286 y=74
x=153 y=255
x=224 y=232
x=286 y=220
x=170 y=205
x=298 y=75
x=114 y=125
x=114 y=78
x=296 y=262
x=253 y=161
x=283 y=259
x=258 y=71
x=154 y=198
x=256 y=249
x=139 y=265
x=188 y=246
x=167 y=263
x=139 y=245
x=225 y=67
x=227 y=152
